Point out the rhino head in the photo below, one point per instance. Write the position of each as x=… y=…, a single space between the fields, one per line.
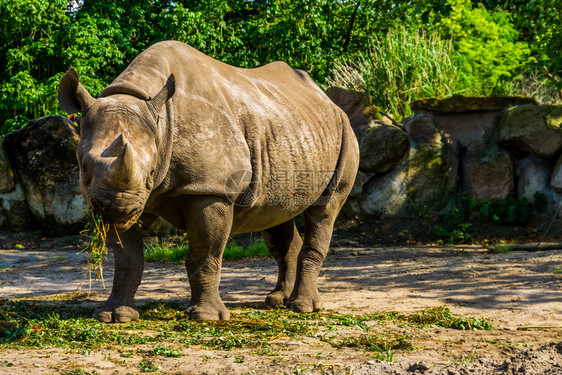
x=118 y=148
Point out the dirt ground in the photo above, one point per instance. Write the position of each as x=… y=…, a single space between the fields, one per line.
x=520 y=293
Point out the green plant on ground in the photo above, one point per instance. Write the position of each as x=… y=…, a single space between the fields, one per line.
x=161 y=252
x=444 y=317
x=166 y=325
x=454 y=223
x=147 y=365
x=383 y=348
x=161 y=350
x=504 y=248
x=79 y=371
x=233 y=251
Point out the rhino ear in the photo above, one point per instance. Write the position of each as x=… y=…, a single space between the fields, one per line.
x=73 y=97
x=155 y=104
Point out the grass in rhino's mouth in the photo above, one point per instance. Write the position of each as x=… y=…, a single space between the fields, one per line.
x=166 y=325
x=96 y=231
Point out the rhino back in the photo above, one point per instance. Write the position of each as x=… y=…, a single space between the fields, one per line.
x=271 y=120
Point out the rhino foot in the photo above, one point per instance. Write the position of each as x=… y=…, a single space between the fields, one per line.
x=208 y=312
x=277 y=298
x=305 y=304
x=121 y=314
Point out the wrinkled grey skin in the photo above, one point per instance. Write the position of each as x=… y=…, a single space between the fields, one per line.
x=214 y=150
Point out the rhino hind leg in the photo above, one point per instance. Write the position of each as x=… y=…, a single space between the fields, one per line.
x=129 y=264
x=318 y=221
x=208 y=223
x=284 y=244
x=318 y=227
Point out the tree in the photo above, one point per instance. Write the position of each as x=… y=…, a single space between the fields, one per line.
x=487 y=40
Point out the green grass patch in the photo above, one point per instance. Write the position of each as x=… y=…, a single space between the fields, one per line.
x=382 y=347
x=443 y=317
x=557 y=271
x=38 y=324
x=79 y=371
x=257 y=249
x=162 y=252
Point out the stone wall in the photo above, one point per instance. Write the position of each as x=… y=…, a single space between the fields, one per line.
x=485 y=148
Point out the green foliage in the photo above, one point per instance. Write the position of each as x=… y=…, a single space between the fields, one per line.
x=161 y=252
x=161 y=350
x=403 y=66
x=444 y=317
x=257 y=249
x=29 y=39
x=539 y=25
x=488 y=42
x=147 y=365
x=382 y=347
x=165 y=325
x=457 y=219
x=41 y=39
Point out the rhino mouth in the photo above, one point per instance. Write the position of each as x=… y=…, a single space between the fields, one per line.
x=131 y=218
x=124 y=223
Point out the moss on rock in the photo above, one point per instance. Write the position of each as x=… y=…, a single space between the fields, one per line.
x=460 y=103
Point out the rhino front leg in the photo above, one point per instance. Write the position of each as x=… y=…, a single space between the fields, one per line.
x=129 y=264
x=208 y=224
x=284 y=244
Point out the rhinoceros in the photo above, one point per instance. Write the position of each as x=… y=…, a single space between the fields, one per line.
x=214 y=150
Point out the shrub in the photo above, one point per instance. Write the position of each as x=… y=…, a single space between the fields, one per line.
x=400 y=67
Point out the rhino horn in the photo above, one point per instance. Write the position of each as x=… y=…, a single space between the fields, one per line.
x=115 y=147
x=122 y=168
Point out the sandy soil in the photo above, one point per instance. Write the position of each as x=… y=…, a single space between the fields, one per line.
x=518 y=292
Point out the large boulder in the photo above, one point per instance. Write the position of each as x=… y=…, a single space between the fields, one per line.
x=7 y=182
x=532 y=175
x=534 y=129
x=382 y=148
x=14 y=213
x=382 y=145
x=384 y=195
x=468 y=120
x=556 y=177
x=352 y=207
x=43 y=157
x=432 y=172
x=358 y=106
x=427 y=179
x=488 y=174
